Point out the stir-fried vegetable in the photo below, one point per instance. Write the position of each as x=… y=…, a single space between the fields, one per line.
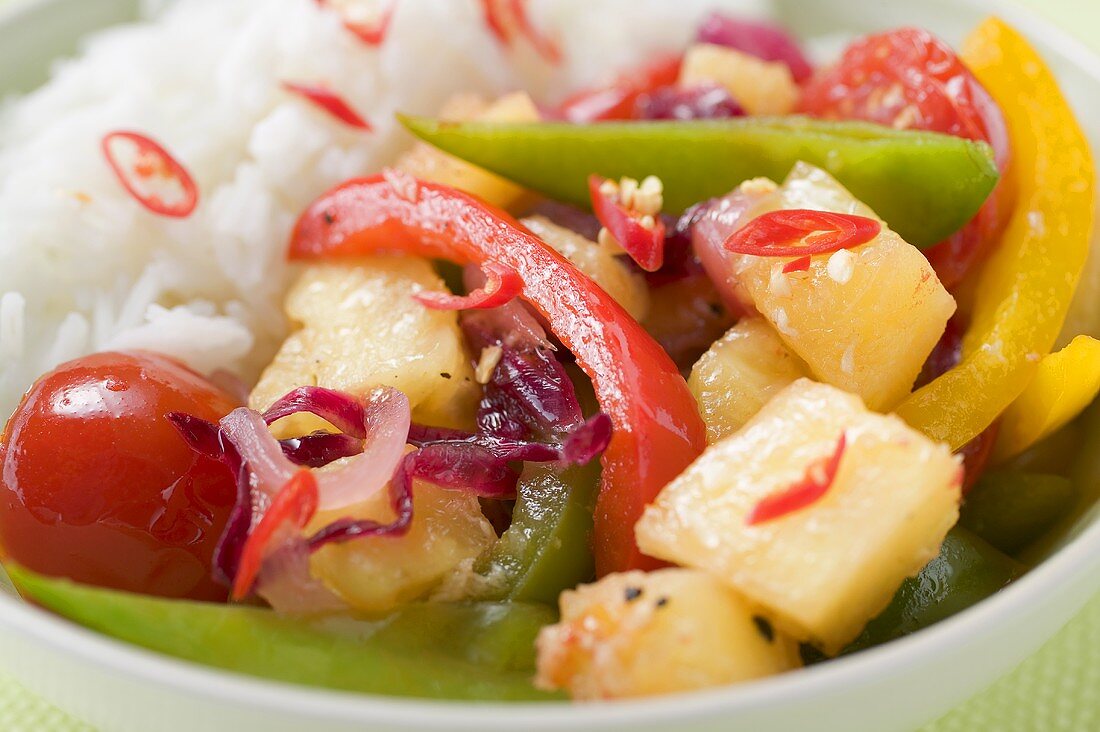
x=657 y=428
x=925 y=185
x=1010 y=510
x=438 y=650
x=1026 y=286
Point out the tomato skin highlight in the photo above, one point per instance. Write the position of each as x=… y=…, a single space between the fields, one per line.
x=97 y=486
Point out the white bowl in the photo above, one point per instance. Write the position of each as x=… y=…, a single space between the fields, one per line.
x=892 y=688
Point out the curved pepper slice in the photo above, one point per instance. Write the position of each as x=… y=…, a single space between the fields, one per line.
x=1026 y=285
x=1065 y=383
x=657 y=429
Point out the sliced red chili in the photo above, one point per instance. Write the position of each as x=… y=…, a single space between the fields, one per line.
x=502 y=285
x=150 y=174
x=292 y=508
x=819 y=477
x=507 y=18
x=643 y=241
x=797 y=265
x=330 y=102
x=372 y=33
x=798 y=232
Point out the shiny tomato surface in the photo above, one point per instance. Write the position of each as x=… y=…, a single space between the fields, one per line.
x=97 y=485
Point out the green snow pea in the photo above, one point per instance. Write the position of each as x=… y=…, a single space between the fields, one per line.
x=1011 y=509
x=481 y=651
x=924 y=185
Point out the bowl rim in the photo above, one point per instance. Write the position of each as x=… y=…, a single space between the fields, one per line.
x=1076 y=561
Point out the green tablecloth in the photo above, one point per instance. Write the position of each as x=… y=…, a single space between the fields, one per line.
x=1056 y=690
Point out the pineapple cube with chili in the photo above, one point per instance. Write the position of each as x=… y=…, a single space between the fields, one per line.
x=739 y=374
x=863 y=319
x=429 y=163
x=360 y=328
x=815 y=511
x=760 y=87
x=638 y=634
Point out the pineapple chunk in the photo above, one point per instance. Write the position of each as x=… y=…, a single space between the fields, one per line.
x=598 y=262
x=739 y=374
x=863 y=319
x=821 y=572
x=376 y=574
x=360 y=328
x=760 y=87
x=430 y=163
x=638 y=634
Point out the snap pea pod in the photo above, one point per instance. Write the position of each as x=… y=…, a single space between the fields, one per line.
x=1012 y=509
x=924 y=185
x=479 y=651
x=966 y=571
x=547 y=548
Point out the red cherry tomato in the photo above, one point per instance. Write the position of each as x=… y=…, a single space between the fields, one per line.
x=909 y=79
x=97 y=486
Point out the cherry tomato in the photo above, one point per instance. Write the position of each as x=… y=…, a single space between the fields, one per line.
x=909 y=79
x=97 y=485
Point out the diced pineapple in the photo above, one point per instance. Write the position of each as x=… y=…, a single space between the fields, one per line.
x=638 y=634
x=376 y=574
x=760 y=87
x=361 y=328
x=598 y=262
x=739 y=374
x=430 y=163
x=822 y=571
x=863 y=319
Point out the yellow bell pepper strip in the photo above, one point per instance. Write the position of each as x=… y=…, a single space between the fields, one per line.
x=1065 y=383
x=1025 y=288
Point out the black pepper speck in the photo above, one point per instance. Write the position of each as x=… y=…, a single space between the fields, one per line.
x=632 y=593
x=765 y=628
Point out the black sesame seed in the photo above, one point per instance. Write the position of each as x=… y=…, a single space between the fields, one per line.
x=661 y=601
x=764 y=627
x=444 y=374
x=632 y=593
x=330 y=217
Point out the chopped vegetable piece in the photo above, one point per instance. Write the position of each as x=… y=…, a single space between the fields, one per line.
x=821 y=573
x=621 y=99
x=360 y=328
x=657 y=430
x=863 y=319
x=763 y=40
x=701 y=101
x=686 y=316
x=761 y=87
x=966 y=571
x=1027 y=283
x=739 y=374
x=501 y=286
x=925 y=185
x=636 y=634
x=371 y=31
x=150 y=174
x=797 y=265
x=438 y=650
x=629 y=213
x=795 y=231
x=1010 y=509
x=291 y=509
x=1065 y=383
x=802 y=493
x=330 y=102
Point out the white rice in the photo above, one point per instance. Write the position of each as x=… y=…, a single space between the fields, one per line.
x=83 y=267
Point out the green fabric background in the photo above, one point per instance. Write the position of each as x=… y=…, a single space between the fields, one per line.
x=1056 y=690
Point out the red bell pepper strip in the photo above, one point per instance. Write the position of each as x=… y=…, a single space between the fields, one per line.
x=657 y=428
x=804 y=492
x=502 y=285
x=644 y=242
